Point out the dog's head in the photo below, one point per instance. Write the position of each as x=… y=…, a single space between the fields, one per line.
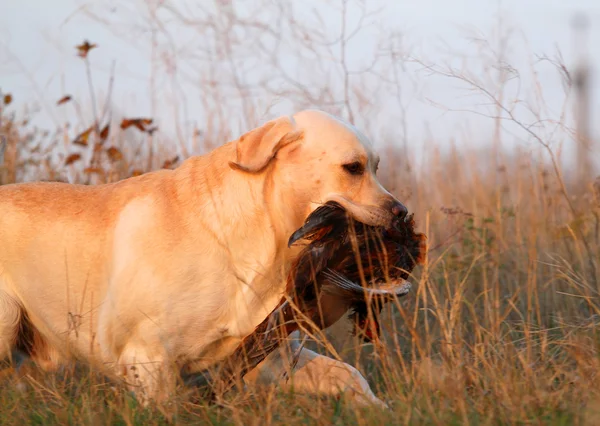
x=315 y=158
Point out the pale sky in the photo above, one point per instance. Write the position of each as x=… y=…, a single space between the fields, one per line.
x=38 y=61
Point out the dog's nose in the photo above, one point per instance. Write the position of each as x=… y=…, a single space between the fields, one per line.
x=399 y=210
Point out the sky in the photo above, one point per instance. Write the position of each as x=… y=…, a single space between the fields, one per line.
x=38 y=62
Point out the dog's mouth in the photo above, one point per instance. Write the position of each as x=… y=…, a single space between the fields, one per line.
x=370 y=215
x=359 y=259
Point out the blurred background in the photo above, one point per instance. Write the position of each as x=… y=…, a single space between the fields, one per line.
x=485 y=113
x=412 y=74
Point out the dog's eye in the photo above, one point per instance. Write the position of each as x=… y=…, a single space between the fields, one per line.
x=354 y=168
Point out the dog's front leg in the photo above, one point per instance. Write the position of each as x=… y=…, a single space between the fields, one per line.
x=313 y=374
x=148 y=375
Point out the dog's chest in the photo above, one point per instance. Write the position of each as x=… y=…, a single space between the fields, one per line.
x=252 y=304
x=255 y=289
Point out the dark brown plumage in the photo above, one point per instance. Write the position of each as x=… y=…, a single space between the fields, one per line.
x=346 y=265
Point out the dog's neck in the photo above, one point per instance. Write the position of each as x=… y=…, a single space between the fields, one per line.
x=266 y=214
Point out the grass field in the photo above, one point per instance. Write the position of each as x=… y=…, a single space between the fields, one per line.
x=500 y=326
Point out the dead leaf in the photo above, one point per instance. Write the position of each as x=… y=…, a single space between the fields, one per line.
x=114 y=154
x=83 y=137
x=72 y=158
x=139 y=123
x=169 y=163
x=84 y=48
x=8 y=99
x=90 y=170
x=64 y=100
x=104 y=132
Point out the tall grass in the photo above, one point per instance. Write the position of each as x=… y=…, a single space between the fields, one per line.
x=500 y=327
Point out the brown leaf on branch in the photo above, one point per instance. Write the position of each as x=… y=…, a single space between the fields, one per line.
x=169 y=163
x=83 y=138
x=72 y=158
x=64 y=100
x=114 y=154
x=104 y=133
x=90 y=170
x=8 y=99
x=84 y=48
x=140 y=123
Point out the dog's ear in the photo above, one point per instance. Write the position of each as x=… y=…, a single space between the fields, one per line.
x=256 y=149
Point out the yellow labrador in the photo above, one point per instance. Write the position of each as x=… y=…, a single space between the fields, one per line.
x=171 y=269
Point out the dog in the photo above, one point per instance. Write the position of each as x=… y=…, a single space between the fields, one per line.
x=170 y=270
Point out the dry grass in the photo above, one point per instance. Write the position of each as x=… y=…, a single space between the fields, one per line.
x=500 y=327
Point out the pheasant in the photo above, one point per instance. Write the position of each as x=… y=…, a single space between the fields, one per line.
x=346 y=266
